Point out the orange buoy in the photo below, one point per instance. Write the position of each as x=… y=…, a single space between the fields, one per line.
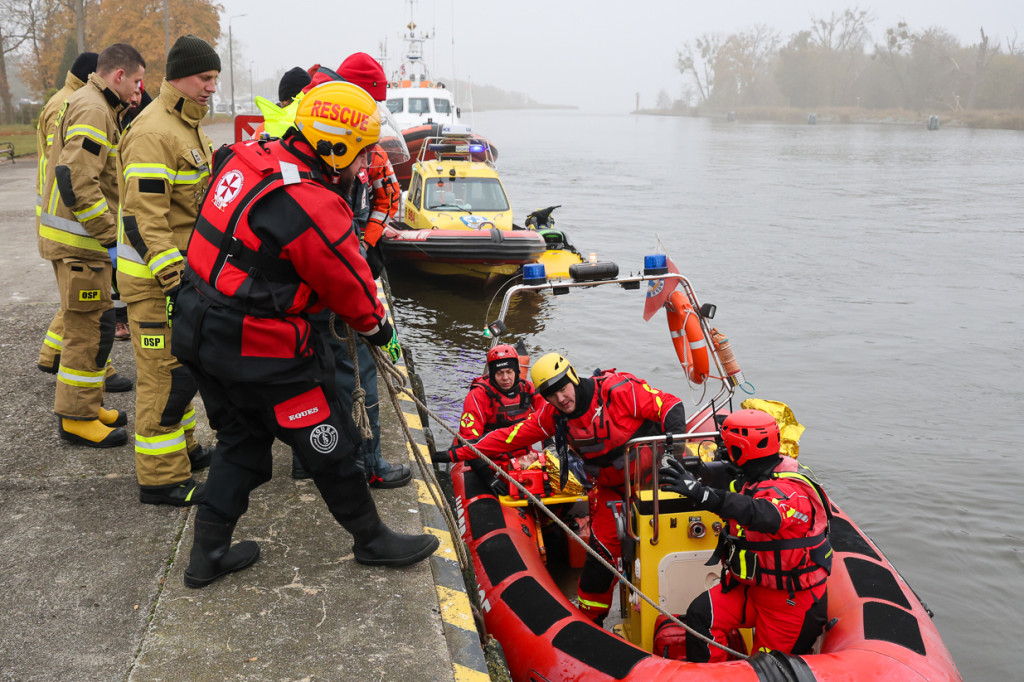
x=687 y=337
x=728 y=358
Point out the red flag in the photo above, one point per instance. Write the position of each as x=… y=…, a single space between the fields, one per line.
x=658 y=291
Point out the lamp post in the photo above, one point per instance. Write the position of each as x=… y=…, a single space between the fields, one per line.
x=231 y=61
x=252 y=95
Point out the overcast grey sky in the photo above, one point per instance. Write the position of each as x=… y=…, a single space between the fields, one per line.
x=595 y=54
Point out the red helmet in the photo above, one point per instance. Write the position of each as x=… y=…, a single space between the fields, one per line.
x=502 y=356
x=749 y=435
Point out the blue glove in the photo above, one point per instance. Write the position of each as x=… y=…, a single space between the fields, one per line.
x=112 y=252
x=676 y=479
x=393 y=348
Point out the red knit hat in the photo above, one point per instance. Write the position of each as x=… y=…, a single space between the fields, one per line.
x=363 y=70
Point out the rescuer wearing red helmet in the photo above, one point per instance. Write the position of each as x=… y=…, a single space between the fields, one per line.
x=499 y=399
x=273 y=242
x=595 y=417
x=775 y=552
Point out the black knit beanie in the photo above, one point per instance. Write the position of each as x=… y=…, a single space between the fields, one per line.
x=191 y=55
x=292 y=82
x=84 y=64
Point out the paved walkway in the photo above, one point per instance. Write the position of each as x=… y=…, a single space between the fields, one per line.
x=92 y=579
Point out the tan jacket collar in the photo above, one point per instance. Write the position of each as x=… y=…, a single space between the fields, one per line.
x=190 y=111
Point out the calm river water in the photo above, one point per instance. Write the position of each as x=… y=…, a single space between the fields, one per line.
x=872 y=277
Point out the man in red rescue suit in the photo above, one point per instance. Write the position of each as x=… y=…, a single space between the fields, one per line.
x=78 y=234
x=498 y=399
x=273 y=242
x=775 y=552
x=594 y=416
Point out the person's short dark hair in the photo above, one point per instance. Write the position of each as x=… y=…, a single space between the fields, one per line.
x=120 y=56
x=85 y=64
x=292 y=82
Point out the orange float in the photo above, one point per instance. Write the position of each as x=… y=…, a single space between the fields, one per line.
x=688 y=337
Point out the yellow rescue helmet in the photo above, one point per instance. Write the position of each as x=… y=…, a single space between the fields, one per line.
x=339 y=120
x=551 y=372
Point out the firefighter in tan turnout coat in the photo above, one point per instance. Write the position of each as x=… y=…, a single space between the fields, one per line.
x=53 y=341
x=77 y=232
x=164 y=164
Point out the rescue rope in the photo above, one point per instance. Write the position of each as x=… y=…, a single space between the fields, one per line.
x=384 y=363
x=394 y=380
x=359 y=414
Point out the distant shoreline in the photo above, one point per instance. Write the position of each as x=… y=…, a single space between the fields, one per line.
x=521 y=107
x=1007 y=119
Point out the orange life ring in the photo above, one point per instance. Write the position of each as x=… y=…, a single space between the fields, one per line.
x=687 y=337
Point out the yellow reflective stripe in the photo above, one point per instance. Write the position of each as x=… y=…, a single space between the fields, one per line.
x=49 y=140
x=148 y=170
x=158 y=170
x=62 y=237
x=53 y=340
x=188 y=420
x=593 y=604
x=160 y=445
x=76 y=377
x=513 y=432
x=94 y=211
x=87 y=131
x=162 y=260
x=127 y=267
x=190 y=177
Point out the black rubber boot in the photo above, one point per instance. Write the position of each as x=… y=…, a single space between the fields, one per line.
x=213 y=556
x=199 y=458
x=378 y=545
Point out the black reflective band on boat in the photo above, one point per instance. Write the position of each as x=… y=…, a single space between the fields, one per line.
x=775 y=666
x=499 y=557
x=888 y=623
x=875 y=581
x=484 y=516
x=533 y=605
x=599 y=649
x=845 y=538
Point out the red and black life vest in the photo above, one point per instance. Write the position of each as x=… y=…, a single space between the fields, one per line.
x=228 y=261
x=505 y=410
x=599 y=434
x=790 y=563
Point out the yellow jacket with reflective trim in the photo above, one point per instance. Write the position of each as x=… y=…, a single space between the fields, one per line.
x=164 y=165
x=44 y=132
x=84 y=153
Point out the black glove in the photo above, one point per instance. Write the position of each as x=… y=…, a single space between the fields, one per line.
x=444 y=456
x=676 y=479
x=497 y=484
x=375 y=259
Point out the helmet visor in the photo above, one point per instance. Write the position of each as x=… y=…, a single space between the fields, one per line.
x=391 y=140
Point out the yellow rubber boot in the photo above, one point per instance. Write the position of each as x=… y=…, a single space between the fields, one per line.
x=93 y=433
x=113 y=417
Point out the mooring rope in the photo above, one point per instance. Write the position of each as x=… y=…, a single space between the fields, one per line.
x=385 y=366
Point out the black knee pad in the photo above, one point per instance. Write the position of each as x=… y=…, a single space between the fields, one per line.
x=183 y=389
x=107 y=322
